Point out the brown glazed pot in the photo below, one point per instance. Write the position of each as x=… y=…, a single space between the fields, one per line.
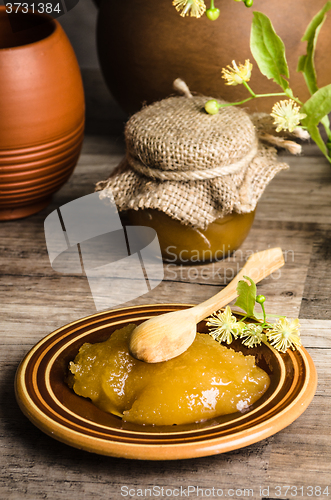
x=144 y=45
x=41 y=113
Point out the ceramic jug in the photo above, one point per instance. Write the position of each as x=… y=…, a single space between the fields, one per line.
x=144 y=45
x=41 y=112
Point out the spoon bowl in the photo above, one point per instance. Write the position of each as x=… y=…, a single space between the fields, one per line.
x=169 y=335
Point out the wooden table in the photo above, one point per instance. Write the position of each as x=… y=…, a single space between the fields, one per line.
x=294 y=213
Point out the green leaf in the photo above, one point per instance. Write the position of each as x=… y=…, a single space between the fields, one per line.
x=317 y=138
x=306 y=62
x=246 y=295
x=326 y=124
x=268 y=50
x=317 y=106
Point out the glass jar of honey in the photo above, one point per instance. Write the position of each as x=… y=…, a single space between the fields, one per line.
x=182 y=244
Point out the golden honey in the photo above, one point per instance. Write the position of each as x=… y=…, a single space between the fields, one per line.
x=206 y=381
x=182 y=244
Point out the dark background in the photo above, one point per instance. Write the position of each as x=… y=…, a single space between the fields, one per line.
x=80 y=24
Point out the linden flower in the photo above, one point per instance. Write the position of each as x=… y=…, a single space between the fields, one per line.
x=284 y=335
x=236 y=75
x=253 y=335
x=224 y=326
x=193 y=7
x=287 y=115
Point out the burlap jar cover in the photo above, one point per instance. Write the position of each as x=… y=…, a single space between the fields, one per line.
x=192 y=166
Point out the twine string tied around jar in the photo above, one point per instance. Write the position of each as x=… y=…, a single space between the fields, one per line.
x=194 y=174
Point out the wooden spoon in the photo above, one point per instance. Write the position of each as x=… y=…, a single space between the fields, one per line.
x=168 y=335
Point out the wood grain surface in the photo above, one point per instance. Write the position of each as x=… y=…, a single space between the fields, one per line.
x=294 y=213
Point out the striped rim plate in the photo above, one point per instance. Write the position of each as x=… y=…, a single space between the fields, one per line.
x=45 y=398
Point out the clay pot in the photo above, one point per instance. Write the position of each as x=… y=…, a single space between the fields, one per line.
x=182 y=244
x=144 y=45
x=42 y=112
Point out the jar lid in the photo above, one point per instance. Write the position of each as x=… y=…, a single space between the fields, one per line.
x=177 y=135
x=192 y=166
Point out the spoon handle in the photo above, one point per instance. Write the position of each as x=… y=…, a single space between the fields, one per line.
x=258 y=266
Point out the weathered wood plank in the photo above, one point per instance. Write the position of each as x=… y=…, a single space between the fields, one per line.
x=316 y=295
x=300 y=194
x=33 y=472
x=294 y=213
